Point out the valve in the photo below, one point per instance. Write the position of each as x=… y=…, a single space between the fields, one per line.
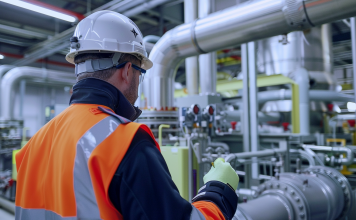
x=208 y=116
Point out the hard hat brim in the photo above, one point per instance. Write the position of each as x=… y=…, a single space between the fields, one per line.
x=146 y=63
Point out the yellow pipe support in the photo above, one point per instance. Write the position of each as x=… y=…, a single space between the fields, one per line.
x=160 y=133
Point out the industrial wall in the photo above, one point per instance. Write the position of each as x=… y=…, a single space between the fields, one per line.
x=36 y=98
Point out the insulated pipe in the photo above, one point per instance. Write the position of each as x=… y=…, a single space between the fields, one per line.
x=314 y=95
x=38 y=75
x=7 y=205
x=327 y=45
x=319 y=193
x=220 y=144
x=149 y=42
x=191 y=63
x=243 y=23
x=263 y=153
x=262 y=117
x=4 y=69
x=207 y=62
x=149 y=47
x=301 y=77
x=305 y=155
x=344 y=161
x=270 y=207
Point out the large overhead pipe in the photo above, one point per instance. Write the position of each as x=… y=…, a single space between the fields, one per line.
x=319 y=193
x=30 y=74
x=250 y=21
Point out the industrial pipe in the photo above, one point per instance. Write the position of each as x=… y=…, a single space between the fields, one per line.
x=319 y=193
x=314 y=95
x=4 y=69
x=191 y=63
x=301 y=77
x=263 y=153
x=243 y=23
x=7 y=205
x=236 y=116
x=219 y=144
x=305 y=155
x=207 y=62
x=344 y=161
x=149 y=42
x=30 y=74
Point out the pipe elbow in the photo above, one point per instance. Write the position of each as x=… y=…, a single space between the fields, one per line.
x=349 y=156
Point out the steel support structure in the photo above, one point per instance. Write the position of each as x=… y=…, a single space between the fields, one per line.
x=252 y=74
x=353 y=42
x=191 y=63
x=207 y=62
x=246 y=111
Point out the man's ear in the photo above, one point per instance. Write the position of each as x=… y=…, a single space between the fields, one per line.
x=124 y=73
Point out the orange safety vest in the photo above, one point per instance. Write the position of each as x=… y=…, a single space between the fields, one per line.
x=65 y=170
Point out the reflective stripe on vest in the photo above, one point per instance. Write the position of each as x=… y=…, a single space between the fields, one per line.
x=196 y=214
x=38 y=214
x=87 y=206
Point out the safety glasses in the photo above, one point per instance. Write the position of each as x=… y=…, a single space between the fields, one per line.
x=142 y=71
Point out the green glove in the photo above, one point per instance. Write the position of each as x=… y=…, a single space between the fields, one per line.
x=222 y=171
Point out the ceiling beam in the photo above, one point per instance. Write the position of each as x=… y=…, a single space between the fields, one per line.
x=146 y=19
x=22 y=32
x=165 y=17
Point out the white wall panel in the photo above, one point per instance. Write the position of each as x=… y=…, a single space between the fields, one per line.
x=37 y=97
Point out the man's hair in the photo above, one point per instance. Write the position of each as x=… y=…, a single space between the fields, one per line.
x=103 y=74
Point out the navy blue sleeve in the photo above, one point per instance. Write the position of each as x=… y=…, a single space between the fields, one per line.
x=142 y=187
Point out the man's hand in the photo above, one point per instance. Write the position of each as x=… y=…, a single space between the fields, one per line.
x=222 y=171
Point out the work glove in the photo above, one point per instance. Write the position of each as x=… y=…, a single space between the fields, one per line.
x=223 y=172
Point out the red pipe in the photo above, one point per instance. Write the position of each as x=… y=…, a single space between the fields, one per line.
x=55 y=8
x=18 y=56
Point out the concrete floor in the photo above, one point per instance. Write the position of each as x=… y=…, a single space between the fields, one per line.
x=4 y=215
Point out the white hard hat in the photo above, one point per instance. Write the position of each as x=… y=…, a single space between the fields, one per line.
x=108 y=32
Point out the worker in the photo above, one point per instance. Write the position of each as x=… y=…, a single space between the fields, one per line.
x=92 y=161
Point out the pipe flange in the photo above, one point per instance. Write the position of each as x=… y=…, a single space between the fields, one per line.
x=290 y=194
x=295 y=14
x=342 y=181
x=194 y=38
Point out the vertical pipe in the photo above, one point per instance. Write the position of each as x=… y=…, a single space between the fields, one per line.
x=207 y=62
x=22 y=97
x=252 y=73
x=246 y=116
x=326 y=41
x=353 y=41
x=301 y=77
x=190 y=169
x=191 y=63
